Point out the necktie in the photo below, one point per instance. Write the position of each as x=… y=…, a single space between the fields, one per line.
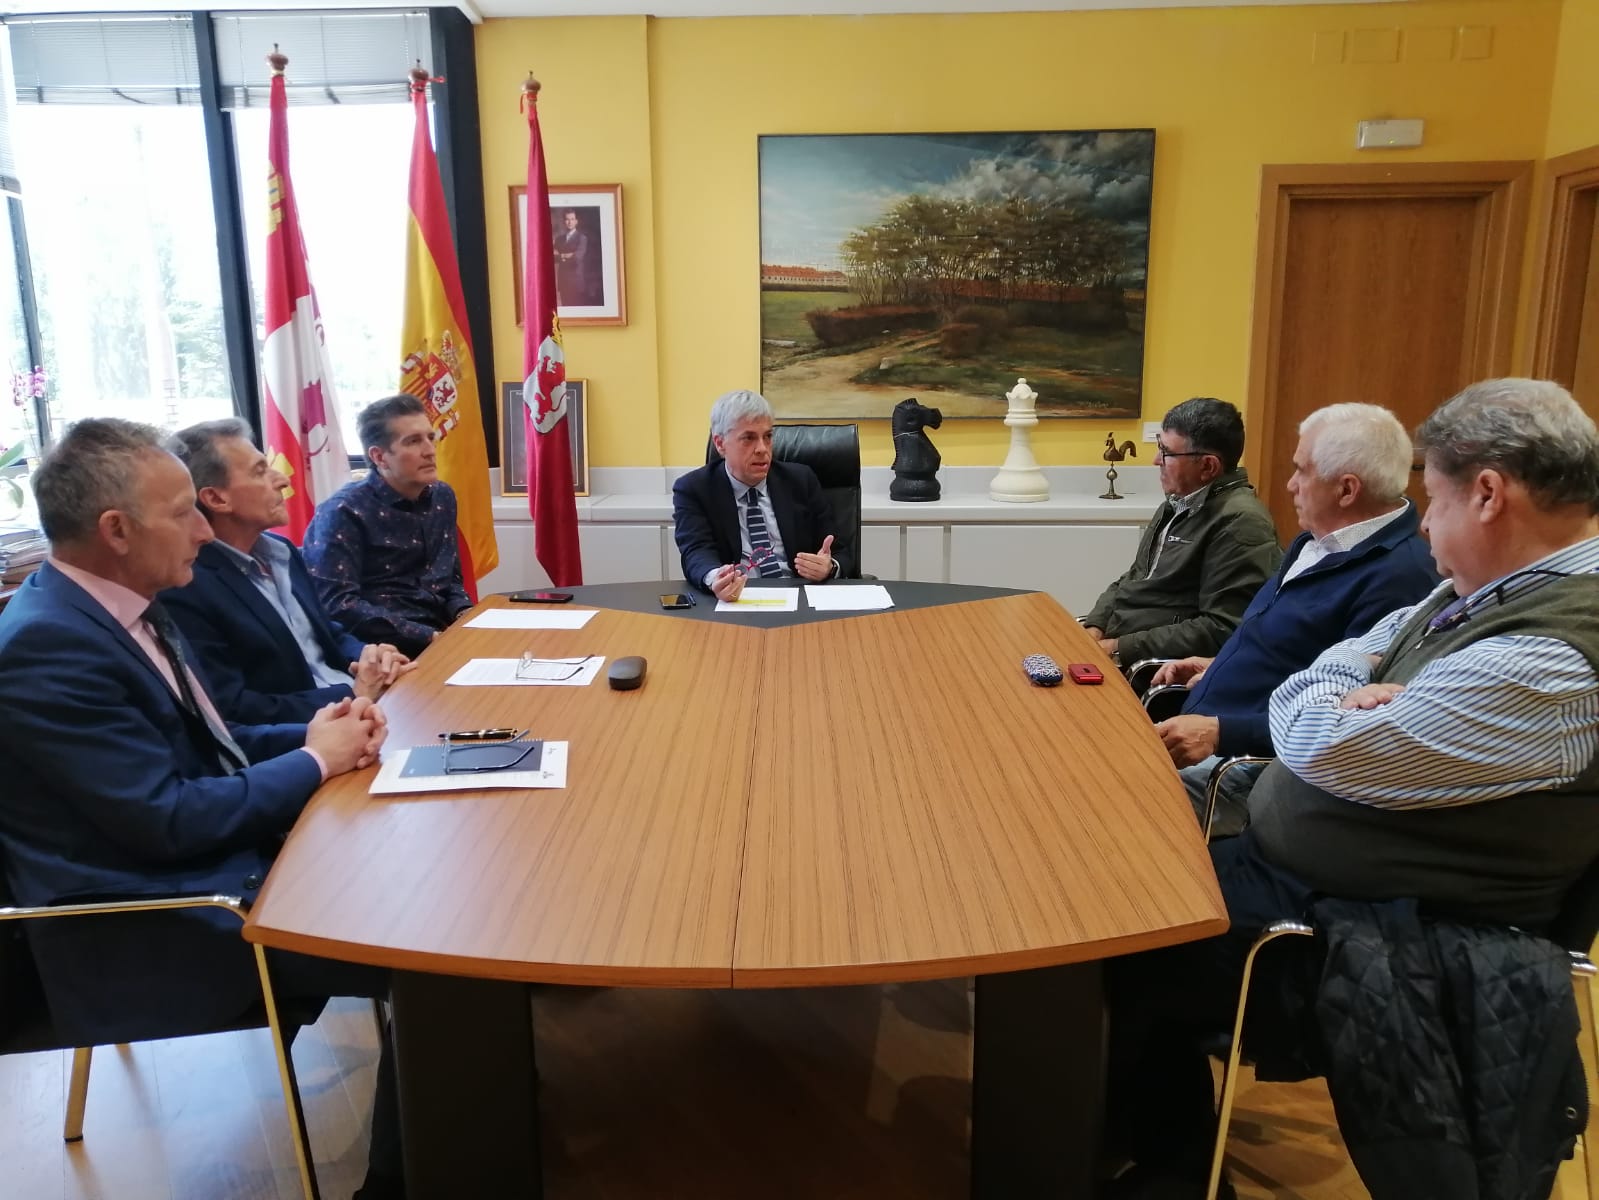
x=760 y=539
x=1449 y=615
x=227 y=750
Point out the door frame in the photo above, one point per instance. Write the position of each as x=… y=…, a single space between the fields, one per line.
x=1557 y=292
x=1495 y=274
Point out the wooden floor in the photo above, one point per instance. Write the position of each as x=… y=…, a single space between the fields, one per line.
x=843 y=1093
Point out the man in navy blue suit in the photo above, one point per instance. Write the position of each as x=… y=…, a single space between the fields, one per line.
x=251 y=613
x=122 y=779
x=749 y=514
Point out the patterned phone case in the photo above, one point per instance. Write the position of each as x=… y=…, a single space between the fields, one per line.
x=1041 y=669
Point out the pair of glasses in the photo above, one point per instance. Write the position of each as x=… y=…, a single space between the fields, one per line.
x=551 y=670
x=752 y=563
x=474 y=750
x=1162 y=452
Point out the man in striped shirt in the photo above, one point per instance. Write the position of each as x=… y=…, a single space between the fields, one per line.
x=1451 y=754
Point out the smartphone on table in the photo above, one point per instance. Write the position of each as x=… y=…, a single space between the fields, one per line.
x=540 y=597
x=677 y=600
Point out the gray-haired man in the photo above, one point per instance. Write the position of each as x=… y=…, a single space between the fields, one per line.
x=750 y=514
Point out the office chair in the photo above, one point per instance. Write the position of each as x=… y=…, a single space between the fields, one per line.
x=1573 y=929
x=834 y=453
x=25 y=1024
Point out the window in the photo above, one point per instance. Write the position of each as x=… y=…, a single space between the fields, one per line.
x=118 y=143
x=123 y=245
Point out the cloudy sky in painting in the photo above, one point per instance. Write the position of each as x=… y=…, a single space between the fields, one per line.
x=817 y=189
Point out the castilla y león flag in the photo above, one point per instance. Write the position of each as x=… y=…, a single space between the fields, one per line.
x=549 y=449
x=436 y=361
x=301 y=411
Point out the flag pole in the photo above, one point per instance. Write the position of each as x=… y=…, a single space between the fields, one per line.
x=551 y=500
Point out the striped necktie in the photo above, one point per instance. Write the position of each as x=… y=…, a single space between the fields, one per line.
x=229 y=755
x=760 y=539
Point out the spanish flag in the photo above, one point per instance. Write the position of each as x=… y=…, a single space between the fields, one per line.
x=436 y=364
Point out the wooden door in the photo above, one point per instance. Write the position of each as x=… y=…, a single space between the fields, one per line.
x=1387 y=285
x=1565 y=333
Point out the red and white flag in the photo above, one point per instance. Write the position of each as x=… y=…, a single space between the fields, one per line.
x=549 y=448
x=301 y=412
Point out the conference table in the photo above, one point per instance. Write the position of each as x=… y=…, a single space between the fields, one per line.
x=790 y=799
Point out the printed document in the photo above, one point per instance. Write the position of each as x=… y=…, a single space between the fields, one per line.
x=539 y=672
x=759 y=599
x=531 y=618
x=848 y=597
x=551 y=774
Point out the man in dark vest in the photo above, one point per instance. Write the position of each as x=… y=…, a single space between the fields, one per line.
x=1450 y=755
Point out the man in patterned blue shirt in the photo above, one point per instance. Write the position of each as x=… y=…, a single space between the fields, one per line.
x=383 y=549
x=1450 y=755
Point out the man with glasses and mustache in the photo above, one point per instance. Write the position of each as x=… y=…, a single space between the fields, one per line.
x=1205 y=553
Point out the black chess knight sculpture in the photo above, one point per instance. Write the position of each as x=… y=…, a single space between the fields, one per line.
x=916 y=459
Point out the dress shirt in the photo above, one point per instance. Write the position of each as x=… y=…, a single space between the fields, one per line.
x=1180 y=506
x=387 y=568
x=1498 y=717
x=127 y=609
x=779 y=553
x=267 y=569
x=1338 y=541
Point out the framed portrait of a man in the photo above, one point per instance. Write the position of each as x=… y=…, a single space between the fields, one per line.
x=586 y=241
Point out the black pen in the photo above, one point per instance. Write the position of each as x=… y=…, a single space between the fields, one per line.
x=481 y=735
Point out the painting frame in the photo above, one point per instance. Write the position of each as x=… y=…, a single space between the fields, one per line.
x=598 y=211
x=943 y=266
x=513 y=433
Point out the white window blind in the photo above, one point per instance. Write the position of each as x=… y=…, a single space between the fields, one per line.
x=144 y=58
x=359 y=57
x=8 y=158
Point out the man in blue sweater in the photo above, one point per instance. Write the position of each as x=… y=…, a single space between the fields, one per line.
x=1361 y=556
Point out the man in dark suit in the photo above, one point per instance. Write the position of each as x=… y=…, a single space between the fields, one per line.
x=122 y=780
x=748 y=514
x=267 y=648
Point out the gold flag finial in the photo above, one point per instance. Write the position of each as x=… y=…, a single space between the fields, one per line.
x=276 y=60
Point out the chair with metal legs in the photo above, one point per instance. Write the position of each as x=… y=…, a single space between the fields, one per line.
x=1573 y=929
x=25 y=1023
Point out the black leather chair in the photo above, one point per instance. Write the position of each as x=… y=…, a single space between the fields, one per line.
x=25 y=1025
x=834 y=453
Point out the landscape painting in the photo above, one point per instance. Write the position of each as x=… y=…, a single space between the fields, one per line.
x=945 y=266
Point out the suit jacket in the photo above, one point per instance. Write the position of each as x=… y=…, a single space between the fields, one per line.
x=707 y=520
x=254 y=669
x=110 y=793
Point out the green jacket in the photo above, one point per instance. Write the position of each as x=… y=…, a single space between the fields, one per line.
x=1213 y=562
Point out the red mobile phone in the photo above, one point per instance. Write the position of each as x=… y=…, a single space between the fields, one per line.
x=1085 y=673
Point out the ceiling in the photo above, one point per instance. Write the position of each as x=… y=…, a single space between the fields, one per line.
x=480 y=9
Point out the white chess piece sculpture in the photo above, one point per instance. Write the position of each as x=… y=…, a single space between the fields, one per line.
x=1020 y=480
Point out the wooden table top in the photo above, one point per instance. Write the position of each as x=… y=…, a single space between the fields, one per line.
x=881 y=797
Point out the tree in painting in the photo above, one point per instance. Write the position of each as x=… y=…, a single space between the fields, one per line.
x=951 y=264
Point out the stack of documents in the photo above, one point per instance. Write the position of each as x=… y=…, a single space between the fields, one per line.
x=22 y=548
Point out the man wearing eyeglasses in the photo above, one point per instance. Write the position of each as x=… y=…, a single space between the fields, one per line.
x=750 y=515
x=1205 y=553
x=1448 y=760
x=123 y=780
x=383 y=550
x=251 y=612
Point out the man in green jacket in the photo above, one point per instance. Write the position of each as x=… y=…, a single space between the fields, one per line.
x=1206 y=551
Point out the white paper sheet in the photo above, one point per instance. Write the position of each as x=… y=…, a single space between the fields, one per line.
x=531 y=618
x=759 y=599
x=551 y=774
x=501 y=672
x=848 y=597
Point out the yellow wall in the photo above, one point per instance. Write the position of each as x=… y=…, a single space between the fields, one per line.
x=672 y=110
x=1574 y=108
